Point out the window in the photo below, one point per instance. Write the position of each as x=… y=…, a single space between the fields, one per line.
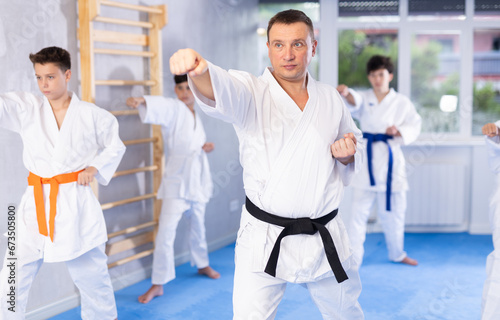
x=447 y=56
x=356 y=47
x=435 y=80
x=486 y=105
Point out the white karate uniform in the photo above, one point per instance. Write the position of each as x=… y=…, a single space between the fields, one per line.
x=288 y=170
x=374 y=117
x=491 y=291
x=186 y=185
x=87 y=137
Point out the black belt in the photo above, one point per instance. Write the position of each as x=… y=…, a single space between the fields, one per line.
x=300 y=226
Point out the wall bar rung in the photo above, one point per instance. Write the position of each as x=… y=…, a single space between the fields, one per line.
x=131 y=258
x=125 y=83
x=130 y=6
x=130 y=112
x=135 y=170
x=124 y=22
x=132 y=229
x=146 y=54
x=110 y=205
x=120 y=37
x=139 y=141
x=129 y=243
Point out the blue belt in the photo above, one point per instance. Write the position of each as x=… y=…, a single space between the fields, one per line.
x=380 y=137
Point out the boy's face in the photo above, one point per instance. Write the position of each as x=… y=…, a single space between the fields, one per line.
x=52 y=81
x=290 y=49
x=380 y=79
x=184 y=93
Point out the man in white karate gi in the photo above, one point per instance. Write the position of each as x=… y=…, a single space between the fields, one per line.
x=491 y=290
x=388 y=120
x=67 y=143
x=298 y=150
x=187 y=183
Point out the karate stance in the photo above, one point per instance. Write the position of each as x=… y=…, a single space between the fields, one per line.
x=187 y=184
x=388 y=120
x=298 y=151
x=491 y=291
x=67 y=143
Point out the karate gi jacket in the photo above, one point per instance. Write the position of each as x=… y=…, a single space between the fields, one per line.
x=394 y=110
x=88 y=137
x=288 y=168
x=187 y=172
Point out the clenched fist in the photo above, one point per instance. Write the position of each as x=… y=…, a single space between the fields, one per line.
x=208 y=147
x=491 y=130
x=134 y=102
x=188 y=61
x=344 y=149
x=87 y=176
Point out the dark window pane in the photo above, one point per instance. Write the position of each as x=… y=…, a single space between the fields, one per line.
x=436 y=7
x=355 y=8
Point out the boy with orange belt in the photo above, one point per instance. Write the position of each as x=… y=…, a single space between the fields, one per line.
x=67 y=143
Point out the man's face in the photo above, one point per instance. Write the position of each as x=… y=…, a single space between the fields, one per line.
x=380 y=79
x=52 y=81
x=184 y=93
x=291 y=49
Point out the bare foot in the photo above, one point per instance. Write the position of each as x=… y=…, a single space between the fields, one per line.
x=156 y=290
x=209 y=272
x=409 y=261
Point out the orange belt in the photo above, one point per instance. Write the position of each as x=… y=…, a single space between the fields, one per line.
x=36 y=182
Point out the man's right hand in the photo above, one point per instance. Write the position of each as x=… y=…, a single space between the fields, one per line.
x=191 y=62
x=134 y=102
x=188 y=61
x=491 y=130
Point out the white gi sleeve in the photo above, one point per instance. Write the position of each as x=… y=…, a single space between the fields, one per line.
x=13 y=108
x=493 y=145
x=160 y=110
x=234 y=102
x=111 y=147
x=355 y=109
x=412 y=125
x=347 y=125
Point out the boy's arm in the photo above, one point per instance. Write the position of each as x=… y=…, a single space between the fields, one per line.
x=410 y=129
x=156 y=109
x=491 y=130
x=13 y=108
x=492 y=133
x=347 y=94
x=112 y=148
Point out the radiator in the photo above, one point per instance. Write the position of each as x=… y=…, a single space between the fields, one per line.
x=438 y=195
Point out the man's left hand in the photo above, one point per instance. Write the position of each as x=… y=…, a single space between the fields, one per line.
x=344 y=149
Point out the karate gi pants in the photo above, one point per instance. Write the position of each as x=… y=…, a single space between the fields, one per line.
x=163 y=256
x=393 y=222
x=491 y=290
x=256 y=295
x=90 y=275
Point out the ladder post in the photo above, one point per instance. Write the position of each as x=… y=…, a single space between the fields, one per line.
x=156 y=74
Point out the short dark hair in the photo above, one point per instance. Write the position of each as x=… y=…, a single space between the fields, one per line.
x=288 y=17
x=56 y=55
x=181 y=78
x=378 y=62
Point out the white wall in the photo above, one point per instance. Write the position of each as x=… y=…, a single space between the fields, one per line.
x=222 y=30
